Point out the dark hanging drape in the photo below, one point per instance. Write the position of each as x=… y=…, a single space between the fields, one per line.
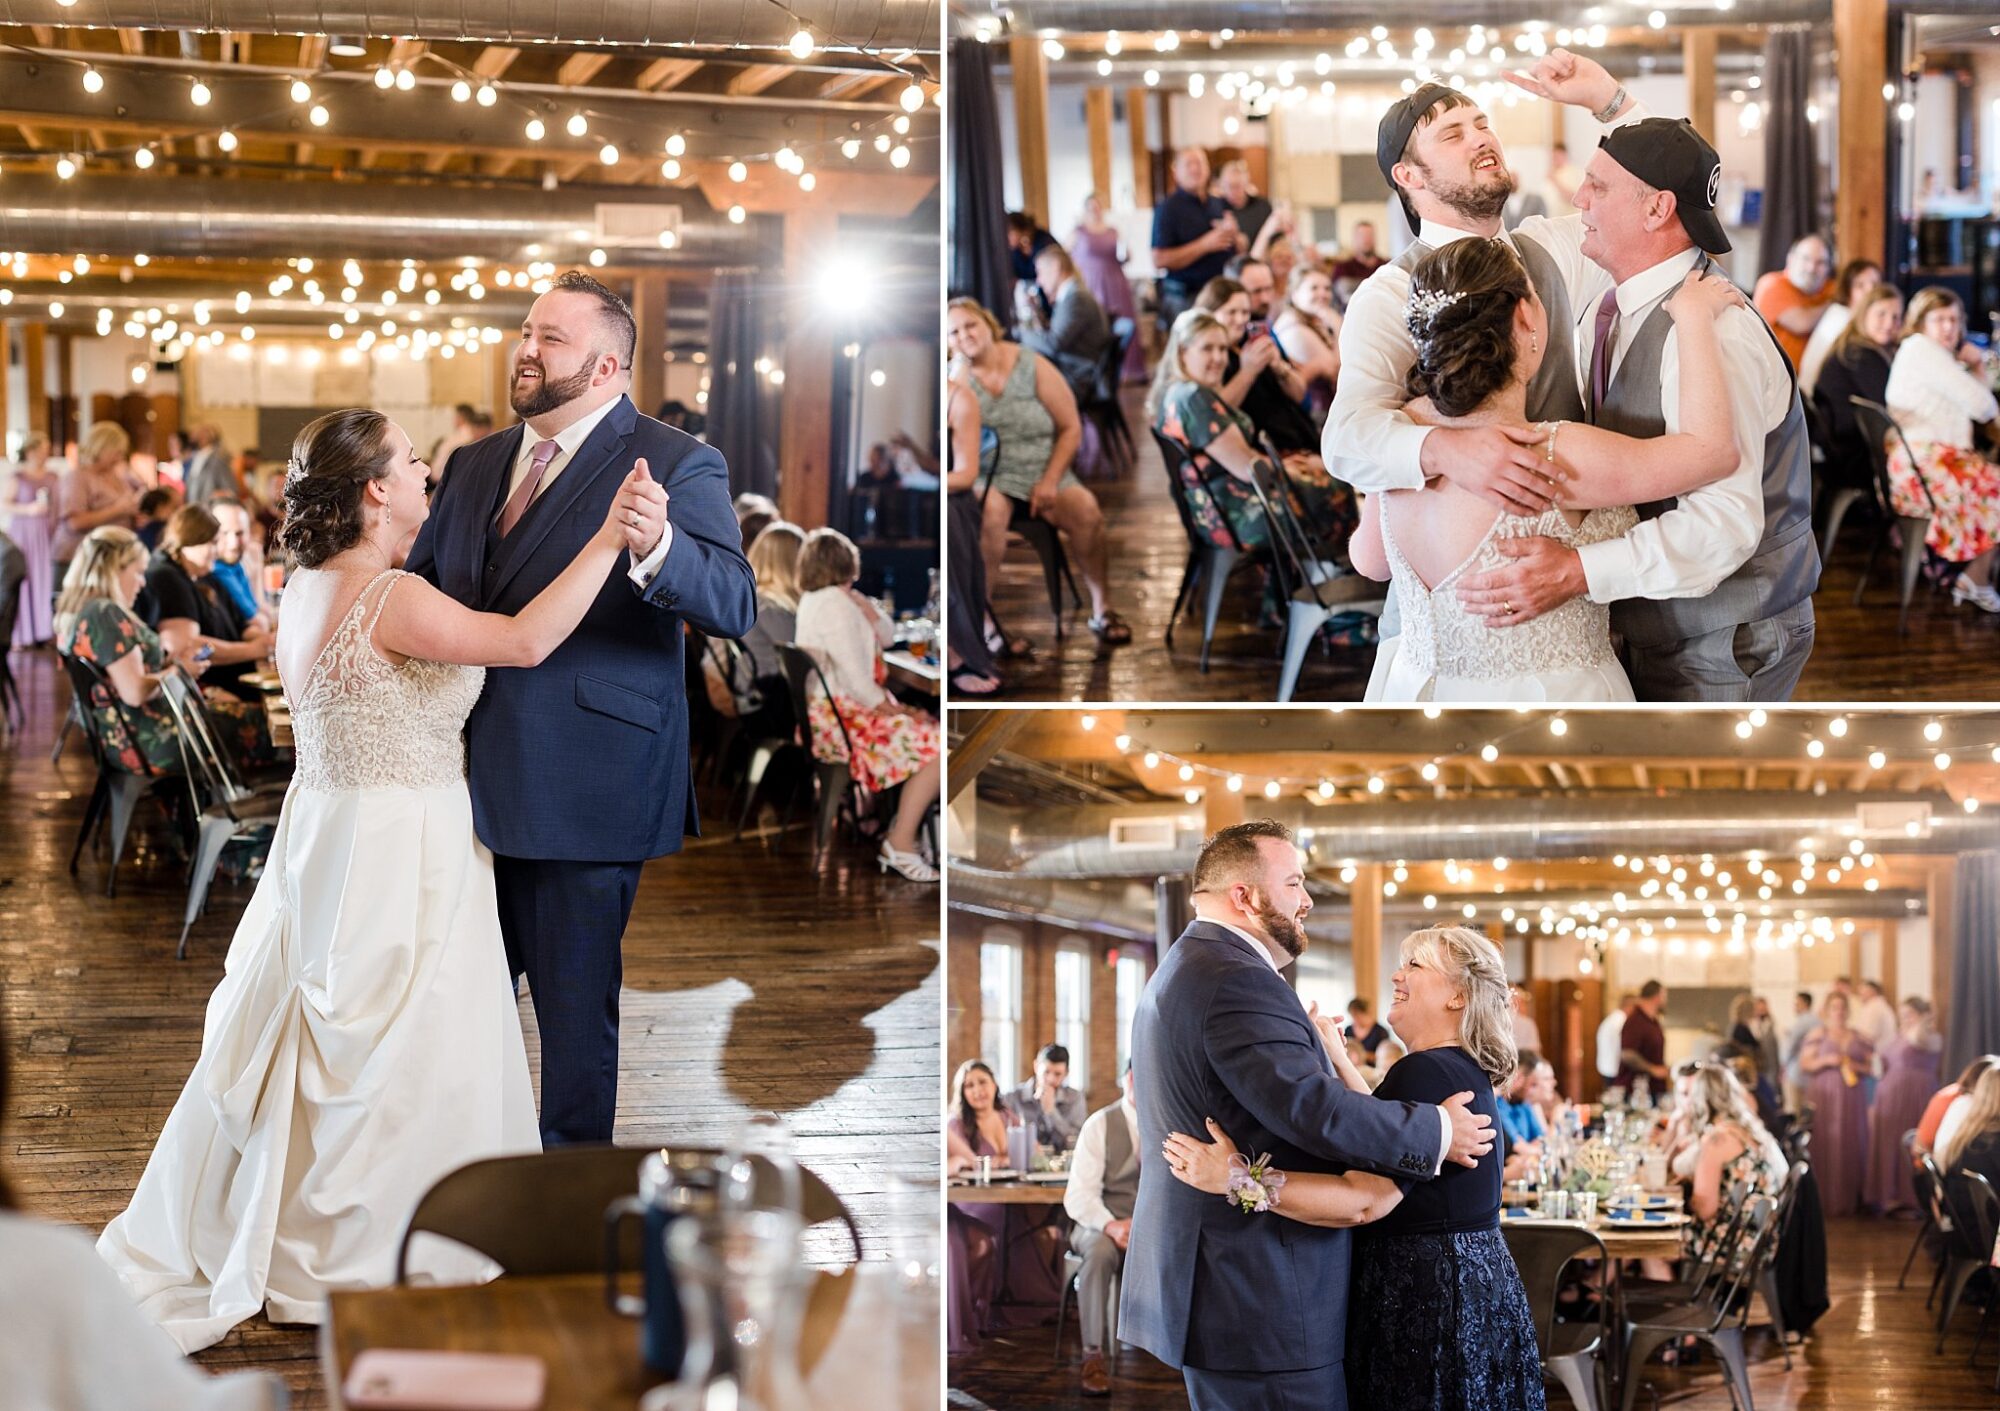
x=980 y=266
x=742 y=410
x=1791 y=170
x=1973 y=1026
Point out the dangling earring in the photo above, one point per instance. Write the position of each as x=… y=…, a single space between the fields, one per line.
x=1534 y=342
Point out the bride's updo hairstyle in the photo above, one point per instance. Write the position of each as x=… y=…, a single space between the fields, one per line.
x=1476 y=969
x=1461 y=315
x=332 y=460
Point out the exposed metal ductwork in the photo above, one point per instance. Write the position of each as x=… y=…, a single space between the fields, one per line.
x=1092 y=16
x=869 y=24
x=1144 y=840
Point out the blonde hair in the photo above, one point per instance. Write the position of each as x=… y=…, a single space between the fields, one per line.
x=973 y=306
x=37 y=440
x=827 y=559
x=1743 y=1009
x=1475 y=966
x=104 y=441
x=1981 y=1117
x=105 y=552
x=1170 y=374
x=774 y=558
x=1927 y=302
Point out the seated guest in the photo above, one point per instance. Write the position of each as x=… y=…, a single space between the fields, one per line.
x=1368 y=1031
x=756 y=678
x=877 y=496
x=982 y=1238
x=1954 y=1115
x=1046 y=1102
x=1938 y=387
x=1358 y=261
x=1279 y=252
x=71 y=1339
x=1909 y=1078
x=1791 y=299
x=1725 y=1141
x=1856 y=280
x=1025 y=240
x=884 y=742
x=1527 y=1033
x=1975 y=1144
x=1103 y=1189
x=753 y=513
x=239 y=560
x=1542 y=1094
x=1076 y=333
x=1259 y=379
x=156 y=507
x=1308 y=333
x=192 y=613
x=1518 y=1113
x=94 y=621
x=968 y=652
x=1932 y=1122
x=1025 y=402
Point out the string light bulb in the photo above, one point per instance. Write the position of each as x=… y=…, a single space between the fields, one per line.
x=226 y=140
x=537 y=130
x=93 y=81
x=143 y=158
x=608 y=154
x=677 y=145
x=319 y=115
x=738 y=171
x=801 y=45
x=199 y=94
x=301 y=91
x=385 y=79
x=461 y=92
x=913 y=97
x=406 y=79
x=488 y=95
x=578 y=125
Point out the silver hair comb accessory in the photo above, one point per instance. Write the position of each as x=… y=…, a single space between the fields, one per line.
x=1427 y=305
x=295 y=469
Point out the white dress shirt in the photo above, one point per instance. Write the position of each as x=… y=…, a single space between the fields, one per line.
x=1609 y=1044
x=1934 y=396
x=1825 y=334
x=1368 y=441
x=1264 y=953
x=1083 y=1197
x=568 y=440
x=1692 y=548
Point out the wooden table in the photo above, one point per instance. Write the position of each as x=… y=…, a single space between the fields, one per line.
x=914 y=671
x=1008 y=1193
x=591 y=1353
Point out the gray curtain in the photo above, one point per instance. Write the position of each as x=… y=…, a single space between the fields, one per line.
x=1973 y=1026
x=742 y=410
x=980 y=266
x=1791 y=169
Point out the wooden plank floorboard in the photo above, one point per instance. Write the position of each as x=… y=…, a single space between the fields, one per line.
x=750 y=983
x=1949 y=654
x=1873 y=1348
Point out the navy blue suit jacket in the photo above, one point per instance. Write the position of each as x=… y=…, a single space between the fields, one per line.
x=585 y=757
x=1220 y=1034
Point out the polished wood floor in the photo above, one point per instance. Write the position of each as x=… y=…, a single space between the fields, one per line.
x=751 y=984
x=1949 y=654
x=1873 y=1348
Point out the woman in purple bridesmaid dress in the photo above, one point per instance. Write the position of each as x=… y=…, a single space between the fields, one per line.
x=30 y=523
x=1835 y=1060
x=1909 y=1077
x=992 y=1248
x=1093 y=246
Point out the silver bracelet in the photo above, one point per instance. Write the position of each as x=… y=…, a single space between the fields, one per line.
x=1610 y=110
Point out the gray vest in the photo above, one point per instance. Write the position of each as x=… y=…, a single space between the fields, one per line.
x=1552 y=395
x=1782 y=570
x=1121 y=1165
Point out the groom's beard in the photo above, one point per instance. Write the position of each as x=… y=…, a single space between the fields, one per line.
x=1475 y=200
x=1285 y=931
x=550 y=392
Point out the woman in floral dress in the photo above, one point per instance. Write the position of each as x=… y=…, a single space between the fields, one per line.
x=892 y=743
x=94 y=622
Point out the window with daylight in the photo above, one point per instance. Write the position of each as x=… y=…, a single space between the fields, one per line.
x=1131 y=983
x=1073 y=1012
x=1000 y=1010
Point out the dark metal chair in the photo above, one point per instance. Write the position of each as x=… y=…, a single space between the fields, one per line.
x=1072 y=1268
x=1715 y=1317
x=1038 y=534
x=1927 y=1198
x=1313 y=588
x=1876 y=428
x=1209 y=564
x=832 y=779
x=118 y=790
x=13 y=580
x=1572 y=1353
x=1832 y=501
x=1969 y=1245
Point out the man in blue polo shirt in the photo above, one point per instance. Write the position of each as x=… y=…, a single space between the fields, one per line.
x=1194 y=235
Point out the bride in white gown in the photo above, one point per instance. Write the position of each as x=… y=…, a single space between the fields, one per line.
x=1480 y=330
x=364 y=1039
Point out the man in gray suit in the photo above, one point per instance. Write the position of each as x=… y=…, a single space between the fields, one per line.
x=1047 y=1103
x=1254 y=1311
x=208 y=467
x=1102 y=1191
x=1078 y=333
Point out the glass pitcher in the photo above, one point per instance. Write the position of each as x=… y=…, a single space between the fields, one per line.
x=743 y=1288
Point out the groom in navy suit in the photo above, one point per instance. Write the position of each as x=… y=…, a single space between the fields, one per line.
x=1253 y=1308
x=579 y=767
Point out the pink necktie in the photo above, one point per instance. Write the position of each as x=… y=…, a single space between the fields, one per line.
x=1600 y=356
x=538 y=465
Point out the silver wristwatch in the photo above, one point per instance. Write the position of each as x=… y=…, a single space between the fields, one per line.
x=1610 y=110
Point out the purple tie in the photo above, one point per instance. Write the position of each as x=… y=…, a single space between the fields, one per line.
x=517 y=505
x=1600 y=355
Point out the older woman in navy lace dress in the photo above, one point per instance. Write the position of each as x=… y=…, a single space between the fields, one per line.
x=1437 y=1317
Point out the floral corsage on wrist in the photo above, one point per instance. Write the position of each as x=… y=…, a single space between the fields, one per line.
x=1253 y=1185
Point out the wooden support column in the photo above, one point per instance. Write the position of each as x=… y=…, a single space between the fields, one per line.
x=805 y=418
x=1861 y=216
x=1031 y=124
x=1886 y=959
x=1142 y=155
x=649 y=360
x=34 y=358
x=1220 y=809
x=502 y=373
x=1365 y=925
x=1698 y=59
x=1097 y=113
x=964 y=1013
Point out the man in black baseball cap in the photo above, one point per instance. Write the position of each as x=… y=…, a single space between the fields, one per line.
x=1487 y=181
x=1669 y=155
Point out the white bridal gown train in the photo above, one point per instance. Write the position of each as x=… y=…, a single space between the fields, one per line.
x=363 y=1040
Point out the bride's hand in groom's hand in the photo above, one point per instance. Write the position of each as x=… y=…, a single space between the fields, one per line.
x=1471 y=1132
x=1704 y=296
x=1203 y=1165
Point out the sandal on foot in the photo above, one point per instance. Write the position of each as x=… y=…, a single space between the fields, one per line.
x=971 y=683
x=1111 y=629
x=906 y=864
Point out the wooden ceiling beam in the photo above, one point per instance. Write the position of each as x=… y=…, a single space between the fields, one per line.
x=437 y=161
x=405 y=52
x=494 y=60
x=312 y=51
x=579 y=69
x=663 y=74
x=133 y=42
x=755 y=78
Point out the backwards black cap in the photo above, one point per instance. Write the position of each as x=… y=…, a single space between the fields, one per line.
x=1393 y=135
x=1669 y=155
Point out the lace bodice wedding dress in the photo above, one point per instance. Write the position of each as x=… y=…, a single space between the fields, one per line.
x=364 y=1039
x=1445 y=653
